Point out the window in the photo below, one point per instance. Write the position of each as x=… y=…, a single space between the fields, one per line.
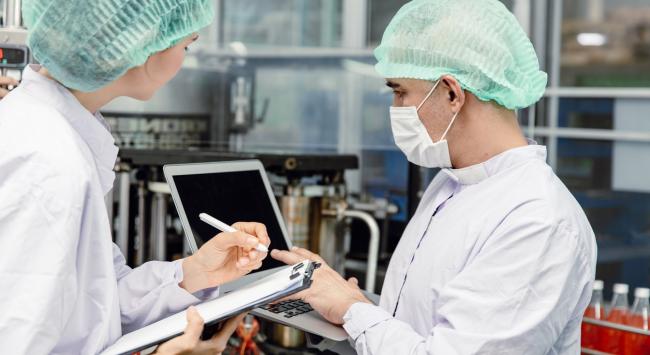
x=605 y=43
x=285 y=23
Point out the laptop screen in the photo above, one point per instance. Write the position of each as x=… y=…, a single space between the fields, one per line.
x=230 y=197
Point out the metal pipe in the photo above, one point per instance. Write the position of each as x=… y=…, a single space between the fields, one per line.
x=141 y=226
x=388 y=208
x=122 y=235
x=12 y=14
x=598 y=92
x=592 y=352
x=554 y=79
x=159 y=226
x=373 y=245
x=158 y=232
x=625 y=328
x=594 y=133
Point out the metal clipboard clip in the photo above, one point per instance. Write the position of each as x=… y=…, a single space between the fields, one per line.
x=306 y=268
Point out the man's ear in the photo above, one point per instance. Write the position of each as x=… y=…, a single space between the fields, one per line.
x=454 y=91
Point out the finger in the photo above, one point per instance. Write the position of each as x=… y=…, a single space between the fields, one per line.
x=286 y=257
x=256 y=256
x=3 y=92
x=306 y=254
x=353 y=281
x=243 y=262
x=235 y=239
x=302 y=295
x=255 y=229
x=190 y=337
x=220 y=339
x=194 y=326
x=253 y=267
x=5 y=80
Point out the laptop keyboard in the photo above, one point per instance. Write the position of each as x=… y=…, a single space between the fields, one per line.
x=289 y=308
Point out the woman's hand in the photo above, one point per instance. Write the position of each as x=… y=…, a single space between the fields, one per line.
x=225 y=257
x=190 y=342
x=5 y=82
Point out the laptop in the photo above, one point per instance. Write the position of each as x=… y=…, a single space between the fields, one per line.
x=240 y=191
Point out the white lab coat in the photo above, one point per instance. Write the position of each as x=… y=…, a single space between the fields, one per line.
x=505 y=266
x=65 y=286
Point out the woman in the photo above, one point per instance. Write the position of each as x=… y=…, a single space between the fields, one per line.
x=66 y=286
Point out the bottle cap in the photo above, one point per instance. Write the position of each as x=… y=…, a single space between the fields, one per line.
x=621 y=288
x=599 y=285
x=642 y=292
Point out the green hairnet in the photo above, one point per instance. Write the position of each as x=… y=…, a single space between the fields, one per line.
x=478 y=42
x=86 y=44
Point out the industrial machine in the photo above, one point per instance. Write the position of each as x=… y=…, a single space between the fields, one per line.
x=14 y=54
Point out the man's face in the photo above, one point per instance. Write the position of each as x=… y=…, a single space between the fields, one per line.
x=435 y=113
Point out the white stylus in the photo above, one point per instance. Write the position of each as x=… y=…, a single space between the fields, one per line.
x=226 y=228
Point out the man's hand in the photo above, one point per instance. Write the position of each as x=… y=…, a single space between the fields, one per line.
x=225 y=257
x=190 y=342
x=5 y=82
x=329 y=294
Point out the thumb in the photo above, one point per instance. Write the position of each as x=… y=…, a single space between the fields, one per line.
x=353 y=281
x=194 y=326
x=228 y=240
x=228 y=328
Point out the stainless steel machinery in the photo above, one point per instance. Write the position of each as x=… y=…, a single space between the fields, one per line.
x=14 y=54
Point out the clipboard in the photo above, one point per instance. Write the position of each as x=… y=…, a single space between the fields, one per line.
x=285 y=282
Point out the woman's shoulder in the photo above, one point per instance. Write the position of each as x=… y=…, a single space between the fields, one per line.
x=31 y=131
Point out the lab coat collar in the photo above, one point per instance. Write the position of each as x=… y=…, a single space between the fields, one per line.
x=91 y=127
x=476 y=173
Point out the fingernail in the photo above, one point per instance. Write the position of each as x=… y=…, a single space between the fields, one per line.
x=294 y=248
x=252 y=240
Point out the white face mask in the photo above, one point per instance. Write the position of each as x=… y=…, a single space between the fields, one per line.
x=413 y=139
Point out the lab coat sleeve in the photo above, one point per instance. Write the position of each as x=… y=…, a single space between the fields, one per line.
x=40 y=219
x=151 y=291
x=514 y=297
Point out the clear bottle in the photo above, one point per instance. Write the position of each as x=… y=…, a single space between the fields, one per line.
x=595 y=310
x=611 y=340
x=638 y=317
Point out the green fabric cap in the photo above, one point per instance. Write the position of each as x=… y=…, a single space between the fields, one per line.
x=86 y=44
x=478 y=42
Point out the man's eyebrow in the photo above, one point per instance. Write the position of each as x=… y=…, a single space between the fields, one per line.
x=392 y=85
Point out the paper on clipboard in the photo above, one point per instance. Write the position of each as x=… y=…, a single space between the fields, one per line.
x=282 y=283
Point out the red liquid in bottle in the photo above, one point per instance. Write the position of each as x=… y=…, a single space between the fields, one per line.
x=591 y=332
x=611 y=340
x=636 y=343
x=638 y=318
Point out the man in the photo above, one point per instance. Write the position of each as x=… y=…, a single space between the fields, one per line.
x=499 y=257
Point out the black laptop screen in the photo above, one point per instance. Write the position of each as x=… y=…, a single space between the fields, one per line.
x=229 y=197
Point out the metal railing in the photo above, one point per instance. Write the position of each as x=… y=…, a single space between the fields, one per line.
x=616 y=326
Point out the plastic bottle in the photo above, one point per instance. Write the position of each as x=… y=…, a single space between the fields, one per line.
x=638 y=317
x=611 y=340
x=595 y=310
